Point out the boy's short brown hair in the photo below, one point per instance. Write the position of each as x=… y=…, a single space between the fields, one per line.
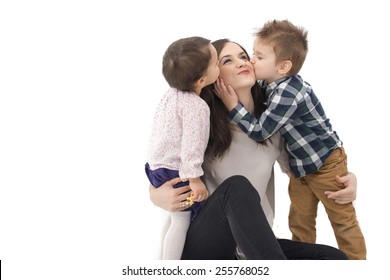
x=288 y=41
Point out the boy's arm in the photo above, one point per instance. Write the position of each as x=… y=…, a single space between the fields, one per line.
x=279 y=112
x=238 y=114
x=281 y=106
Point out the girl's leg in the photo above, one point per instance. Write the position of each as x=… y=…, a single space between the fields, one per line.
x=232 y=216
x=176 y=230
x=176 y=235
x=164 y=230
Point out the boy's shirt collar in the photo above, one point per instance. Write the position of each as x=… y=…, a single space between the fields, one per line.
x=272 y=86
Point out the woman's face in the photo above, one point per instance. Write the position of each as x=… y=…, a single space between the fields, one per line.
x=235 y=68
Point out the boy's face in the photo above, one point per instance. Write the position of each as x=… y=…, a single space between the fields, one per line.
x=264 y=61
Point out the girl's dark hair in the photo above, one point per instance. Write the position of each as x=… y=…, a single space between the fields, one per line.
x=220 y=132
x=185 y=61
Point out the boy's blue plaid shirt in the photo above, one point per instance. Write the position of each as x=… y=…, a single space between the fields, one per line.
x=295 y=111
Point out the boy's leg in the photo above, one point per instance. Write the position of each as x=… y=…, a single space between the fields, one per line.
x=303 y=211
x=342 y=216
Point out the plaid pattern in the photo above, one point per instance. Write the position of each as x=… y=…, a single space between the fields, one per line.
x=295 y=111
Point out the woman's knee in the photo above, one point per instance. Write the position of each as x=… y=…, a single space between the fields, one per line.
x=239 y=186
x=332 y=253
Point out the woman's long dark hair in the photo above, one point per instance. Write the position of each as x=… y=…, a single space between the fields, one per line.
x=220 y=132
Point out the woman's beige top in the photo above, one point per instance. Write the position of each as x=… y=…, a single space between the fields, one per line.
x=252 y=160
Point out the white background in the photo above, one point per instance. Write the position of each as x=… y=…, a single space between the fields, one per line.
x=79 y=82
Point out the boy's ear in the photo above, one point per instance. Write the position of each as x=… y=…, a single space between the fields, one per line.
x=284 y=67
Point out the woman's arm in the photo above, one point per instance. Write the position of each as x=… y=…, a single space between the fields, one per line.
x=348 y=194
x=344 y=196
x=169 y=198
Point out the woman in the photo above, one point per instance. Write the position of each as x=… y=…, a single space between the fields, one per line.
x=239 y=212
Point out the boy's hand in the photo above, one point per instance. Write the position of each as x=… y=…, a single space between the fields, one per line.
x=226 y=94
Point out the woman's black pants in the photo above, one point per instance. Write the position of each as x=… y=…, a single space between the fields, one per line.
x=232 y=216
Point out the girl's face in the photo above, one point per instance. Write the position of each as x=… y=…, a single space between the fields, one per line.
x=264 y=61
x=212 y=71
x=235 y=68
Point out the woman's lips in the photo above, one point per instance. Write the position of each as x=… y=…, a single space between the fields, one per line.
x=244 y=72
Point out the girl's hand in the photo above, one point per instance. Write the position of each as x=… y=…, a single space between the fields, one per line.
x=198 y=191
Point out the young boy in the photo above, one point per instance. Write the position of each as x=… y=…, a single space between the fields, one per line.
x=180 y=131
x=316 y=154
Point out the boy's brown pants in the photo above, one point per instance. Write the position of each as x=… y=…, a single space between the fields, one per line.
x=307 y=191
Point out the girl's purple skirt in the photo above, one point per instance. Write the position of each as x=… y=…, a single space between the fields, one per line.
x=161 y=175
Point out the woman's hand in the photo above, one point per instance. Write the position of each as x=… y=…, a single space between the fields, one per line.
x=348 y=194
x=169 y=198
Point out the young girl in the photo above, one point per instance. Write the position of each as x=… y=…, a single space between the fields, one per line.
x=180 y=131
